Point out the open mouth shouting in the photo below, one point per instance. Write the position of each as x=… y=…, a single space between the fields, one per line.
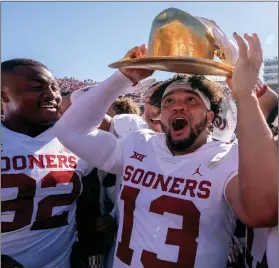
x=178 y=125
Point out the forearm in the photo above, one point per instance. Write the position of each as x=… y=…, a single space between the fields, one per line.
x=87 y=112
x=74 y=95
x=258 y=161
x=77 y=129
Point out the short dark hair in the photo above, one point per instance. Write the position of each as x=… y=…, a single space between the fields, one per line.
x=125 y=105
x=10 y=65
x=157 y=95
x=154 y=87
x=211 y=89
x=155 y=84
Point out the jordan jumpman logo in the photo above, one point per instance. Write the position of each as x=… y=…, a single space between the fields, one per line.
x=197 y=171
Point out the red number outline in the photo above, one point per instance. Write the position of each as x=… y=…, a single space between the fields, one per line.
x=124 y=252
x=23 y=205
x=185 y=238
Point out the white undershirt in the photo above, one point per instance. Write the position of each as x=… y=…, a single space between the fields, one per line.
x=78 y=130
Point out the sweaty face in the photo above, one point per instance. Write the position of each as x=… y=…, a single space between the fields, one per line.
x=152 y=113
x=184 y=118
x=32 y=94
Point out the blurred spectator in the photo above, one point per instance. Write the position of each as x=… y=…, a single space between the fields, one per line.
x=124 y=105
x=67 y=85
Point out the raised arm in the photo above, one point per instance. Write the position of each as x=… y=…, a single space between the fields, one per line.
x=253 y=194
x=78 y=127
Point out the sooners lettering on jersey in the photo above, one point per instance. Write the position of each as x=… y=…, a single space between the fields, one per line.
x=173 y=212
x=39 y=185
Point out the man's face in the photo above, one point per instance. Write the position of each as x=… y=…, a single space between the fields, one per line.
x=152 y=113
x=32 y=93
x=184 y=118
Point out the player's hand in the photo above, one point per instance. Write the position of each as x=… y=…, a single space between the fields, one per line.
x=247 y=68
x=9 y=262
x=106 y=224
x=135 y=75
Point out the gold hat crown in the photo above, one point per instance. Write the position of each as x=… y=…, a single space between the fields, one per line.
x=176 y=33
x=179 y=43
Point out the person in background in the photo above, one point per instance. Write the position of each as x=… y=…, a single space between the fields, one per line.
x=151 y=112
x=123 y=105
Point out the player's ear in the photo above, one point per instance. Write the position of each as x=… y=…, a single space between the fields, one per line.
x=4 y=96
x=210 y=117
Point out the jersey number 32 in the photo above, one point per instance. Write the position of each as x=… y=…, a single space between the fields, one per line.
x=23 y=205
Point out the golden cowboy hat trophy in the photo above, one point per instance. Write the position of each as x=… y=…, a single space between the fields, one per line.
x=179 y=43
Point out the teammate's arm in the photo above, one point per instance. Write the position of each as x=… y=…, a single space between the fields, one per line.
x=78 y=127
x=72 y=96
x=253 y=193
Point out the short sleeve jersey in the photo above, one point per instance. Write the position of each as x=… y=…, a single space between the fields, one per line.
x=173 y=211
x=40 y=182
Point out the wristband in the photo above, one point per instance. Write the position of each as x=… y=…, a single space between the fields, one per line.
x=260 y=88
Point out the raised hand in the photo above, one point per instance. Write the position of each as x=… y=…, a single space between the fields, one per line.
x=248 y=66
x=135 y=75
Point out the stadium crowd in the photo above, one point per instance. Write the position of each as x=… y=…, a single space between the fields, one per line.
x=71 y=83
x=67 y=85
x=91 y=180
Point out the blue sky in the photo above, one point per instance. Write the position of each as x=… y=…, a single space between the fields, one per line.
x=80 y=39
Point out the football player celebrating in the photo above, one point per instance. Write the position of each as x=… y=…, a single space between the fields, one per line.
x=40 y=179
x=182 y=191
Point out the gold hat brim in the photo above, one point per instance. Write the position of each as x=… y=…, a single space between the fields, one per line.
x=186 y=65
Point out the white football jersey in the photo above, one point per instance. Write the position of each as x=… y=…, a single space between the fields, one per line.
x=40 y=183
x=121 y=125
x=173 y=211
